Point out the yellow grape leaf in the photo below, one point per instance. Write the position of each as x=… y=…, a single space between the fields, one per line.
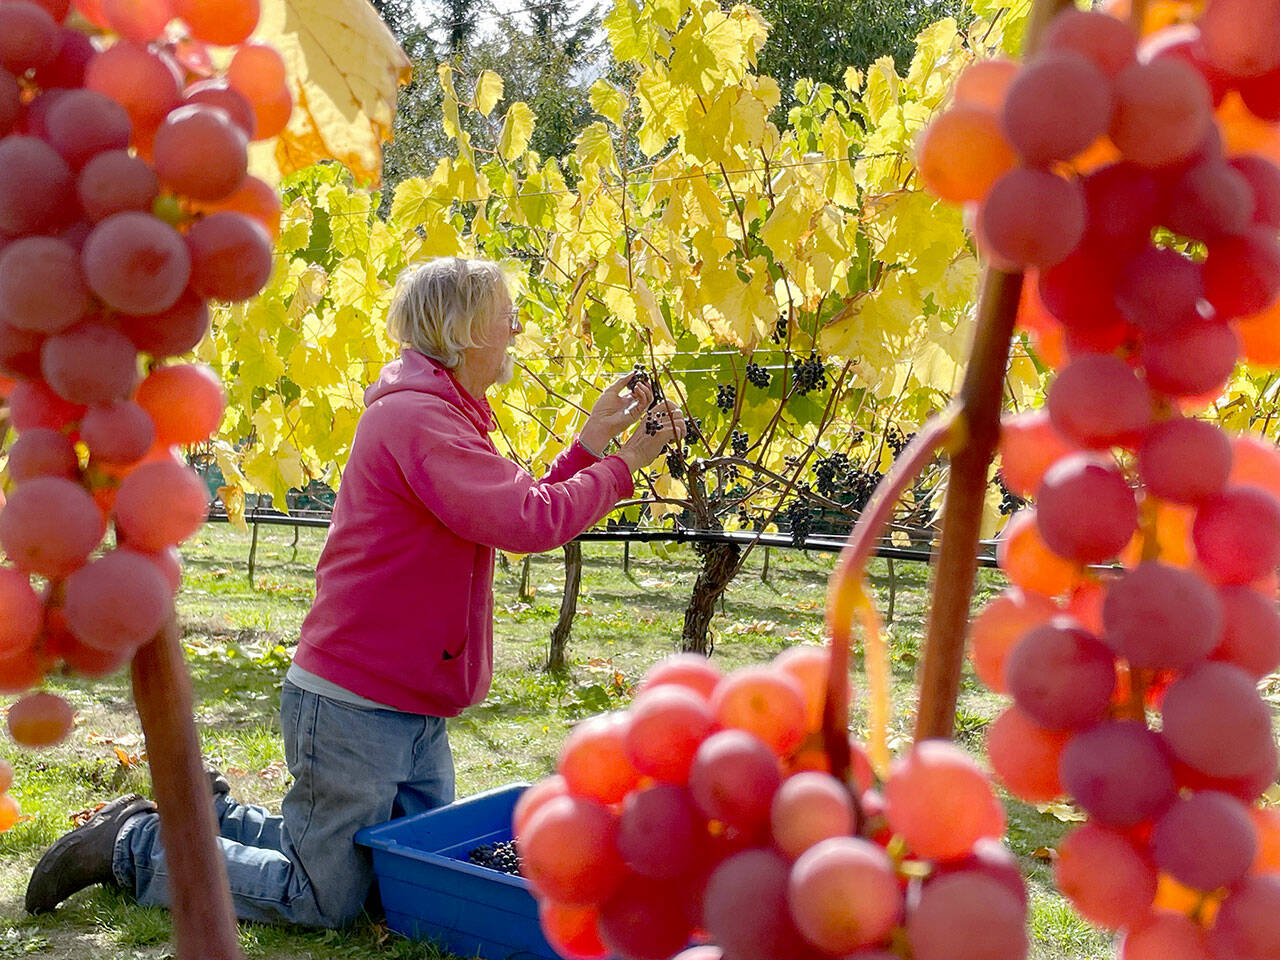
x=488 y=91
x=344 y=69
x=1065 y=812
x=232 y=497
x=608 y=101
x=517 y=128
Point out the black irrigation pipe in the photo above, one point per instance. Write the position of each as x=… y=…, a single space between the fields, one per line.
x=819 y=544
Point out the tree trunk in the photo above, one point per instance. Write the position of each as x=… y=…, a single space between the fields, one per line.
x=568 y=605
x=720 y=563
x=526 y=586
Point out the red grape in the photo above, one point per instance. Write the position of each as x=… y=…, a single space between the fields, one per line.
x=43 y=453
x=1107 y=42
x=1109 y=880
x=667 y=724
x=1250 y=637
x=119 y=433
x=90 y=363
x=37 y=192
x=113 y=182
x=844 y=894
x=941 y=802
x=185 y=401
x=745 y=907
x=20 y=612
x=967 y=916
x=733 y=778
x=1205 y=841
x=230 y=257
x=1119 y=773
x=1033 y=218
x=50 y=525
x=765 y=702
x=1096 y=402
x=171 y=332
x=569 y=851
x=1085 y=509
x=200 y=153
x=1242 y=274
x=809 y=807
x=1059 y=104
x=41 y=287
x=593 y=761
x=1061 y=676
x=160 y=504
x=1163 y=109
x=1237 y=534
x=1025 y=756
x=84 y=123
x=1160 y=617
x=659 y=831
x=117 y=602
x=1184 y=460
x=40 y=719
x=136 y=263
x=1214 y=721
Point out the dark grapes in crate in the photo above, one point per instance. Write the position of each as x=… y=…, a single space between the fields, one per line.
x=501 y=856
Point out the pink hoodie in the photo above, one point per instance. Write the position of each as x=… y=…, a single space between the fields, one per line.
x=404 y=591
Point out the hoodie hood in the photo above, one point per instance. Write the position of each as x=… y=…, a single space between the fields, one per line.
x=417 y=373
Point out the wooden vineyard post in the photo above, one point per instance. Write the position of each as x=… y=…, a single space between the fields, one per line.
x=979 y=422
x=204 y=923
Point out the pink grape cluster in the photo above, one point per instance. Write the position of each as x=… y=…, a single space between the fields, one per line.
x=706 y=813
x=1144 y=575
x=125 y=207
x=1108 y=246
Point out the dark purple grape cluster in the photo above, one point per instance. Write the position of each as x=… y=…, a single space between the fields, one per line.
x=897 y=440
x=739 y=442
x=757 y=375
x=798 y=516
x=810 y=373
x=779 y=330
x=726 y=396
x=832 y=473
x=652 y=424
x=501 y=856
x=639 y=375
x=1009 y=501
x=675 y=464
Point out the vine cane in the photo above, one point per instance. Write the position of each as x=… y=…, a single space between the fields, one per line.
x=204 y=922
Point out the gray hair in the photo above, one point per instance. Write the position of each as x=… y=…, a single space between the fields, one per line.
x=440 y=307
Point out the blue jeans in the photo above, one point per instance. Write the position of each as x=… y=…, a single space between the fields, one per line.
x=352 y=767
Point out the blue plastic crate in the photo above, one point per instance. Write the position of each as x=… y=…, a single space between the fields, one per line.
x=430 y=892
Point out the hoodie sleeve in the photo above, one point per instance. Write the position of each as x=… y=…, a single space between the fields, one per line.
x=569 y=461
x=484 y=497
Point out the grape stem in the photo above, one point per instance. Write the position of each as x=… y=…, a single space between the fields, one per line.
x=846 y=595
x=204 y=922
x=980 y=402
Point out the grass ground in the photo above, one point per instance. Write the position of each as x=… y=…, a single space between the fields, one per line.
x=239 y=640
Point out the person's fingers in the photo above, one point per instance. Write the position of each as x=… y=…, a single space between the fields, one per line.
x=618 y=385
x=643 y=394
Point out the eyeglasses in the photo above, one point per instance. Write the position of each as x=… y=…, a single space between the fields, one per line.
x=513 y=320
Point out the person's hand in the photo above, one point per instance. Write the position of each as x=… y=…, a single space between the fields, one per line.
x=643 y=447
x=614 y=411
